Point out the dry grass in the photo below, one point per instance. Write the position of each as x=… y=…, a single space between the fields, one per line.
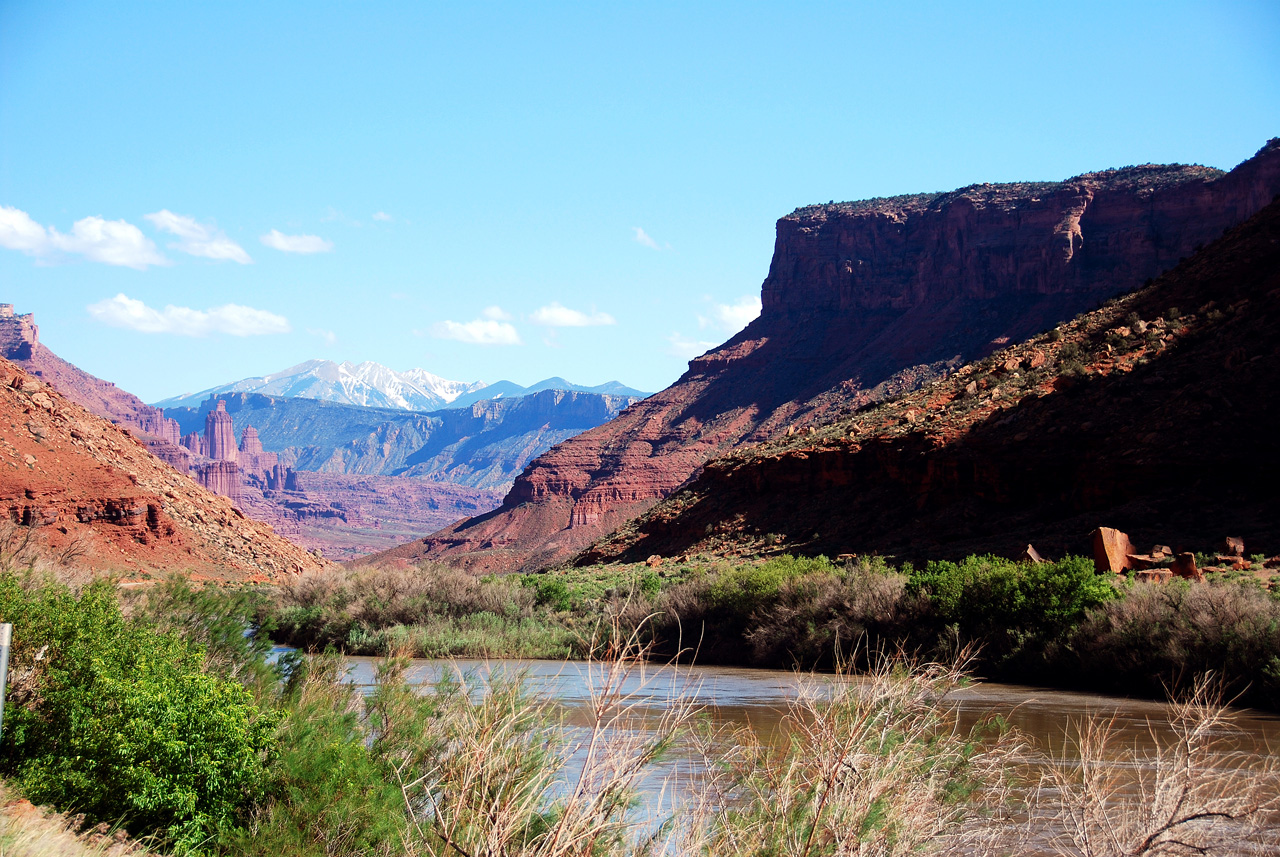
x=28 y=831
x=509 y=776
x=1197 y=794
x=874 y=766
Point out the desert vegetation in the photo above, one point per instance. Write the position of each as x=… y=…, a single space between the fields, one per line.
x=156 y=714
x=1028 y=621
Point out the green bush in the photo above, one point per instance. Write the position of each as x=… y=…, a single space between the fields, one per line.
x=1007 y=603
x=119 y=721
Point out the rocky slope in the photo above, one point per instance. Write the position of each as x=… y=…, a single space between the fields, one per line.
x=89 y=493
x=20 y=343
x=865 y=301
x=1155 y=414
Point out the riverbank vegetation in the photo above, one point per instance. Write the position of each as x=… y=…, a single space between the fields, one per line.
x=1028 y=621
x=159 y=715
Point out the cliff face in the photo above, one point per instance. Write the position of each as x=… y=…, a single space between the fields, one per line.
x=1155 y=414
x=863 y=301
x=20 y=343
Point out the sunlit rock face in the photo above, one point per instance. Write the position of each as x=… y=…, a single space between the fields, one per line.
x=863 y=301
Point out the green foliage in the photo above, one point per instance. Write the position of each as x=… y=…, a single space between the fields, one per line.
x=554 y=593
x=983 y=595
x=328 y=792
x=118 y=720
x=743 y=589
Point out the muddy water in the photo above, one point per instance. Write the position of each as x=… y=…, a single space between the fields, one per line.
x=760 y=699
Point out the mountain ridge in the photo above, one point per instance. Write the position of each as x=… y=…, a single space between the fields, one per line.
x=370 y=384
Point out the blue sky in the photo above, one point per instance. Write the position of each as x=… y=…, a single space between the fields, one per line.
x=196 y=193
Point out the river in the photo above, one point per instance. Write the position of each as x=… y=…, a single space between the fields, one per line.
x=760 y=699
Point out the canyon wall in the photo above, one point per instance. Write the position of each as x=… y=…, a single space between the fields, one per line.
x=864 y=301
x=1155 y=414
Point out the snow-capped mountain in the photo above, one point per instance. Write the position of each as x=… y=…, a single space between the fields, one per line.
x=368 y=384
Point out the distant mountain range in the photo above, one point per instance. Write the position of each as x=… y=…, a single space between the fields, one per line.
x=373 y=385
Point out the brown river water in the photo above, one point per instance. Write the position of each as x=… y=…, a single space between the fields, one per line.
x=760 y=699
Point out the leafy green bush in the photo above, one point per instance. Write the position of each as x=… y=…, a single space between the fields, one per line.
x=118 y=720
x=1006 y=603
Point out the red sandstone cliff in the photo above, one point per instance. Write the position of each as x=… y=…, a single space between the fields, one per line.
x=1155 y=414
x=863 y=301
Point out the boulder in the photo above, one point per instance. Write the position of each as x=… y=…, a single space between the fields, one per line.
x=1233 y=545
x=1184 y=566
x=1111 y=550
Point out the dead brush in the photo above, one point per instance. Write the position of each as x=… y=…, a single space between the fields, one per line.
x=498 y=772
x=872 y=765
x=1196 y=794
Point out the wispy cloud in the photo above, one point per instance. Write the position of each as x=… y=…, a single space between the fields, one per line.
x=481 y=331
x=732 y=317
x=296 y=243
x=495 y=313
x=642 y=237
x=328 y=336
x=382 y=216
x=555 y=315
x=681 y=346
x=198 y=239
x=111 y=242
x=233 y=319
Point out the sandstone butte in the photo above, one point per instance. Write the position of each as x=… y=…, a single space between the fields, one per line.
x=1152 y=417
x=864 y=301
x=92 y=495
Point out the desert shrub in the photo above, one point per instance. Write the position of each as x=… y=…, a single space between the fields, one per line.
x=1012 y=608
x=348 y=609
x=822 y=620
x=118 y=720
x=328 y=792
x=1160 y=636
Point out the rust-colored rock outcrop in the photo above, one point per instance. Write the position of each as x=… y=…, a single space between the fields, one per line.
x=97 y=497
x=865 y=301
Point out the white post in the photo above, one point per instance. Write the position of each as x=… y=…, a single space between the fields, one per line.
x=6 y=636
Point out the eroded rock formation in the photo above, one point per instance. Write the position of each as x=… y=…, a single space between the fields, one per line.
x=864 y=301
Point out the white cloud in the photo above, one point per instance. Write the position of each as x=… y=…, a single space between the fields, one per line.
x=555 y=315
x=383 y=216
x=495 y=313
x=328 y=336
x=296 y=243
x=233 y=319
x=732 y=317
x=111 y=242
x=198 y=239
x=642 y=237
x=681 y=346
x=482 y=331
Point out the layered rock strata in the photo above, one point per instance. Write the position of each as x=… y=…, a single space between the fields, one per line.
x=1154 y=414
x=865 y=301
